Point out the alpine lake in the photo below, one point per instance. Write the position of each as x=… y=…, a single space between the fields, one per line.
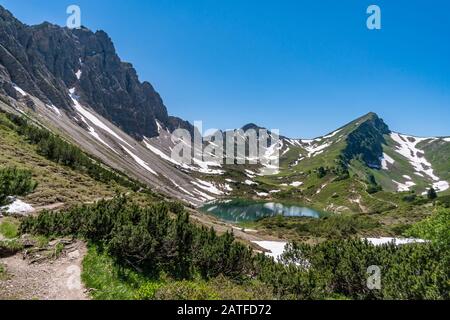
x=243 y=210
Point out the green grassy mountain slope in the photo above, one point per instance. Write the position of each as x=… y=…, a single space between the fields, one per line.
x=360 y=167
x=59 y=181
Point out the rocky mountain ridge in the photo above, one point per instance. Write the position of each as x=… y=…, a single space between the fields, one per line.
x=47 y=60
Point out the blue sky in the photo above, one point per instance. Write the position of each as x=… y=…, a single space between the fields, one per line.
x=305 y=67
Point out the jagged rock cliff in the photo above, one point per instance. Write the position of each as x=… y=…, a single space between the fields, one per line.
x=47 y=60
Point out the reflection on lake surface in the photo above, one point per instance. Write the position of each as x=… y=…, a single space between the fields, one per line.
x=247 y=210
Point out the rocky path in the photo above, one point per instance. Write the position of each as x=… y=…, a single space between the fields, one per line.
x=47 y=280
x=33 y=277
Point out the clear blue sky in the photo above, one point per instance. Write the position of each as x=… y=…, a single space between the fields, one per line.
x=305 y=67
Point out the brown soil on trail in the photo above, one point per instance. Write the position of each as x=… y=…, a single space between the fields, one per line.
x=51 y=279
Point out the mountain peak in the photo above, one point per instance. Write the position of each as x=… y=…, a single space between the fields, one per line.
x=377 y=122
x=253 y=126
x=366 y=140
x=50 y=59
x=368 y=116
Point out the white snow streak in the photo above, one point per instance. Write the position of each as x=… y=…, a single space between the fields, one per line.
x=205 y=196
x=96 y=136
x=402 y=187
x=385 y=160
x=54 y=109
x=207 y=186
x=96 y=121
x=160 y=153
x=78 y=74
x=395 y=241
x=204 y=166
x=159 y=126
x=19 y=90
x=332 y=134
x=314 y=149
x=141 y=162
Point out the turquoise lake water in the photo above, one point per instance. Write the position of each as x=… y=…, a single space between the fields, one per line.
x=248 y=210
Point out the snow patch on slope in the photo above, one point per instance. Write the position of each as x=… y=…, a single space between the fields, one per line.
x=385 y=160
x=207 y=186
x=201 y=166
x=159 y=153
x=204 y=167
x=159 y=126
x=141 y=162
x=78 y=74
x=204 y=196
x=402 y=187
x=180 y=187
x=270 y=159
x=54 y=109
x=285 y=151
x=315 y=149
x=407 y=147
x=20 y=90
x=395 y=241
x=17 y=207
x=92 y=118
x=296 y=162
x=250 y=173
x=275 y=248
x=321 y=188
x=331 y=135
x=296 y=183
x=93 y=133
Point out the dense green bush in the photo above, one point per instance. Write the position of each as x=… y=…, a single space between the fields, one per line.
x=15 y=182
x=431 y=194
x=153 y=242
x=10 y=247
x=321 y=172
x=338 y=268
x=337 y=226
x=435 y=228
x=372 y=185
x=371 y=189
x=443 y=201
x=333 y=226
x=219 y=288
x=148 y=238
